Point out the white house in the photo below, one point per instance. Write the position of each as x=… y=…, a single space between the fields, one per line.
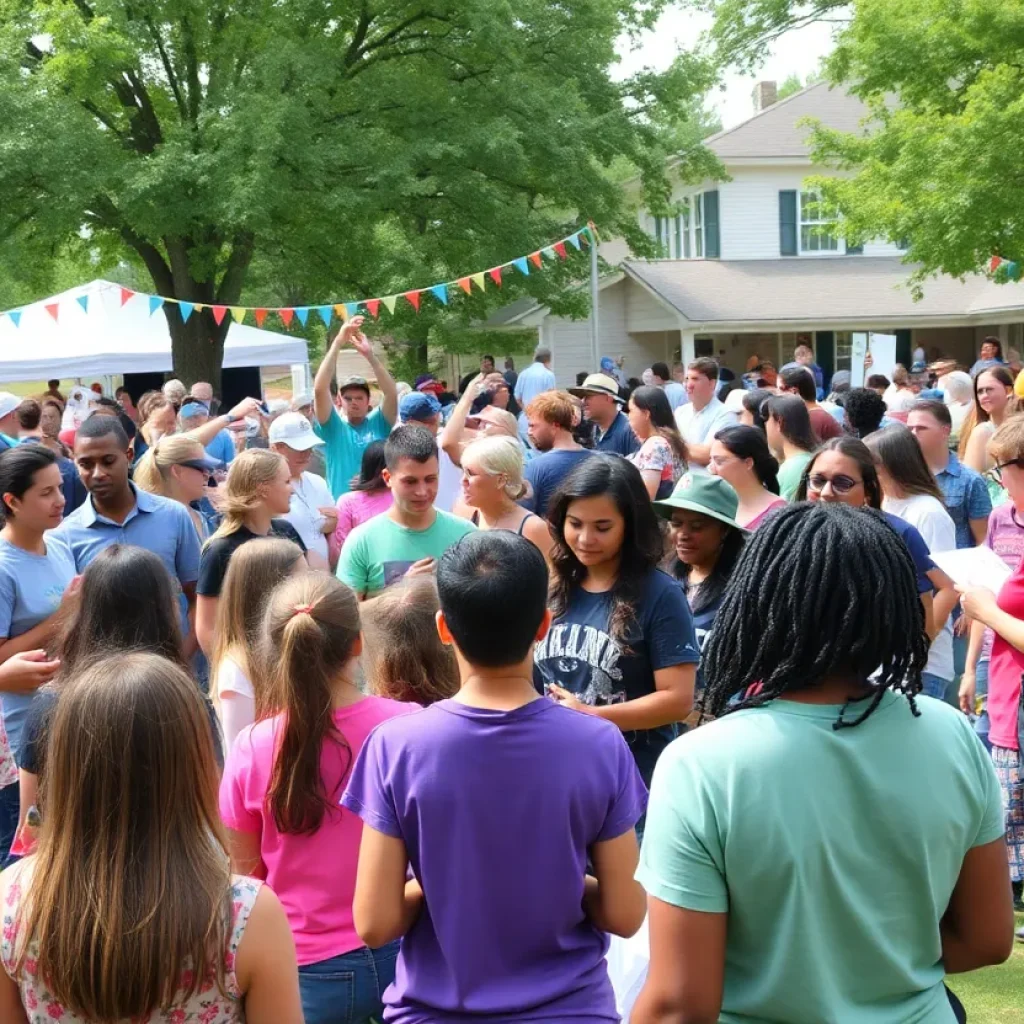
x=746 y=270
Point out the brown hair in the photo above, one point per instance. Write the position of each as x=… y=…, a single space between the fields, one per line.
x=554 y=407
x=312 y=623
x=255 y=569
x=1007 y=443
x=250 y=471
x=30 y=412
x=131 y=887
x=403 y=655
x=978 y=415
x=706 y=366
x=149 y=403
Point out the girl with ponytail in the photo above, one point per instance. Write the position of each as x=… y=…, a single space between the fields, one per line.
x=741 y=457
x=280 y=793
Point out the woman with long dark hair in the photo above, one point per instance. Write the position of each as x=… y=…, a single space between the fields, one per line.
x=741 y=457
x=790 y=437
x=622 y=644
x=282 y=785
x=824 y=766
x=368 y=498
x=662 y=456
x=753 y=406
x=707 y=540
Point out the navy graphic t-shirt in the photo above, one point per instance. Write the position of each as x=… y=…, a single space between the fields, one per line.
x=579 y=655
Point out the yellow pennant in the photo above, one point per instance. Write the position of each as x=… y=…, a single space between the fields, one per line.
x=478 y=280
x=238 y=312
x=389 y=302
x=341 y=312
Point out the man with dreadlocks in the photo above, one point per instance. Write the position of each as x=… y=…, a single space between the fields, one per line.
x=834 y=837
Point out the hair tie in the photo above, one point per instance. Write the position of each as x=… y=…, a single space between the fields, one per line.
x=303 y=609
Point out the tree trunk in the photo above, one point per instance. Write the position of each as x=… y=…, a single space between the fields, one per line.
x=197 y=345
x=418 y=335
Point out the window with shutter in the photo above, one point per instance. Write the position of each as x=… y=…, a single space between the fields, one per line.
x=687 y=250
x=698 y=225
x=815 y=218
x=787 y=223
x=712 y=234
x=679 y=237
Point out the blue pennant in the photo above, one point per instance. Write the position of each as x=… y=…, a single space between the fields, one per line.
x=574 y=240
x=83 y=301
x=325 y=314
x=302 y=312
x=440 y=291
x=186 y=310
x=351 y=308
x=15 y=315
x=155 y=302
x=522 y=266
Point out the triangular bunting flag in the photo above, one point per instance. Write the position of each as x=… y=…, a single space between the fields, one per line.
x=389 y=303
x=126 y=294
x=994 y=262
x=286 y=315
x=574 y=241
x=186 y=310
x=549 y=252
x=218 y=314
x=155 y=302
x=302 y=312
x=522 y=266
x=83 y=301
x=585 y=236
x=478 y=280
x=373 y=305
x=495 y=275
x=53 y=309
x=261 y=315
x=351 y=308
x=341 y=312
x=440 y=291
x=466 y=284
x=414 y=299
x=325 y=314
x=238 y=312
x=559 y=247
x=536 y=259
x=15 y=315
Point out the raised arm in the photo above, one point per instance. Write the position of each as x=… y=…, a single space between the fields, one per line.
x=451 y=436
x=212 y=427
x=386 y=383
x=323 y=408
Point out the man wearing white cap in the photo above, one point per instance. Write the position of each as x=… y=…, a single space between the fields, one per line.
x=312 y=511
x=9 y=425
x=603 y=407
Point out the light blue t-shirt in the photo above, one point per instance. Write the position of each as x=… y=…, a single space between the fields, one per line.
x=833 y=852
x=31 y=588
x=345 y=444
x=222 y=447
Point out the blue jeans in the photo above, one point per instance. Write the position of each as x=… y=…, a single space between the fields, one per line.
x=933 y=686
x=981 y=723
x=10 y=805
x=347 y=989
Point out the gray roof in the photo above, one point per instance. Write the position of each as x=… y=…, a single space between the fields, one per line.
x=848 y=288
x=776 y=131
x=507 y=314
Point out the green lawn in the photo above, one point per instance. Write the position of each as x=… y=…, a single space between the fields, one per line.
x=996 y=994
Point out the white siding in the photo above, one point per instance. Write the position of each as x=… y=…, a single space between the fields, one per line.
x=645 y=313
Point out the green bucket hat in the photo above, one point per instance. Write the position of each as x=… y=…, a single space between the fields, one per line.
x=703 y=493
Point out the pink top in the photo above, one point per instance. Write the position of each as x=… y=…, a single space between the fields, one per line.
x=761 y=516
x=314 y=875
x=1006 y=538
x=356 y=508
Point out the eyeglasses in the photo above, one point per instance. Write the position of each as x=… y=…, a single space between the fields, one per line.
x=841 y=484
x=997 y=472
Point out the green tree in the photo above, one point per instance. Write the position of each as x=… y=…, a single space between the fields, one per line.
x=252 y=150
x=794 y=84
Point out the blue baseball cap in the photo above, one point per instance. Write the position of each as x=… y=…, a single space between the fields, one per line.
x=418 y=406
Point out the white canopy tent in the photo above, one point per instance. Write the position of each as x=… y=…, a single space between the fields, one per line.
x=94 y=335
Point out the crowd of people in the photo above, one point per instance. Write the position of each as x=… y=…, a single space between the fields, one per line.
x=343 y=711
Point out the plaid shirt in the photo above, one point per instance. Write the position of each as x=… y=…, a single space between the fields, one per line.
x=966 y=496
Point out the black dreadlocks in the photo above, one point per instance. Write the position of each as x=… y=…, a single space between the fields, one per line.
x=820 y=590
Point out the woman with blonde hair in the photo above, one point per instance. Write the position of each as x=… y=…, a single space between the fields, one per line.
x=178 y=468
x=237 y=677
x=129 y=909
x=403 y=657
x=282 y=784
x=257 y=493
x=994 y=402
x=492 y=483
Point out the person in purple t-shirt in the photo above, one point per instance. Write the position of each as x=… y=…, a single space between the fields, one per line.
x=497 y=798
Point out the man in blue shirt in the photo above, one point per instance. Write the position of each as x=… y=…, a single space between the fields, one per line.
x=117 y=513
x=534 y=380
x=9 y=425
x=193 y=415
x=551 y=417
x=602 y=405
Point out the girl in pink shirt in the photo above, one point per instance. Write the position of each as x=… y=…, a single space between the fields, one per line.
x=368 y=498
x=281 y=788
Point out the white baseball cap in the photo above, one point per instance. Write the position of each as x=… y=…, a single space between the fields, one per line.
x=8 y=403
x=294 y=430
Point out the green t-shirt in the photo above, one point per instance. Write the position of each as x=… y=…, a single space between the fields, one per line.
x=834 y=853
x=380 y=552
x=790 y=472
x=344 y=445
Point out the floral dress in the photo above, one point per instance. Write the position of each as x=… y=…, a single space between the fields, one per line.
x=209 y=1006
x=8 y=766
x=657 y=454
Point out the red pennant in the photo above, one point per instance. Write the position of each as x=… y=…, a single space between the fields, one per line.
x=559 y=247
x=286 y=315
x=261 y=315
x=218 y=313
x=994 y=263
x=466 y=285
x=495 y=275
x=536 y=259
x=372 y=305
x=126 y=294
x=414 y=300
x=53 y=308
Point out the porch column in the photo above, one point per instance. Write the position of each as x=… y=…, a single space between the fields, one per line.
x=687 y=347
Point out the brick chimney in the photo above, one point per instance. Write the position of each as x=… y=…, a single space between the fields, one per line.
x=765 y=94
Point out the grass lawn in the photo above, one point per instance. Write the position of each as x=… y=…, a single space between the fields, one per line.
x=996 y=994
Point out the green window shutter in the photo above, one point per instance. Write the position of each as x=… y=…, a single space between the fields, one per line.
x=787 y=223
x=825 y=354
x=679 y=236
x=712 y=238
x=904 y=347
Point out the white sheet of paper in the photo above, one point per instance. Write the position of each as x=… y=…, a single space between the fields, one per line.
x=973 y=567
x=883 y=354
x=857 y=354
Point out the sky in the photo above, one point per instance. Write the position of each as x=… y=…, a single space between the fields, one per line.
x=795 y=53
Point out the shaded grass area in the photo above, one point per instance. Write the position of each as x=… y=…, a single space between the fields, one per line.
x=994 y=995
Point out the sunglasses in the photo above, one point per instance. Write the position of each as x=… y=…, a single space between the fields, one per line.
x=196 y=464
x=997 y=472
x=841 y=483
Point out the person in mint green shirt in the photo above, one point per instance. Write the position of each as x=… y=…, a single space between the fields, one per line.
x=831 y=845
x=347 y=437
x=791 y=439
x=412 y=535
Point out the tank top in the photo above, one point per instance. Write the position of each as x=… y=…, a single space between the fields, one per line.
x=475 y=520
x=208 y=1006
